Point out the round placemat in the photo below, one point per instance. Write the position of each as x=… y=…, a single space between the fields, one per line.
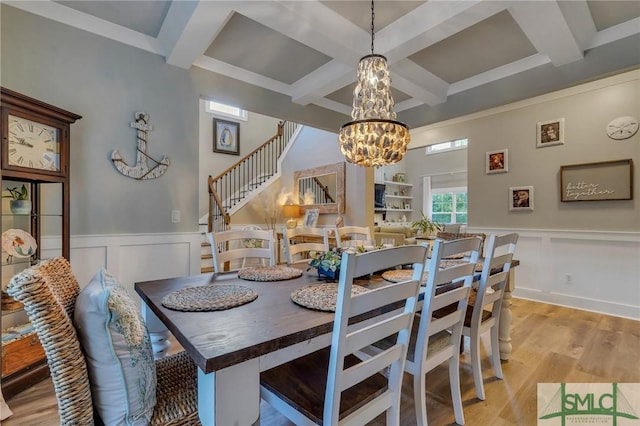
x=269 y=273
x=209 y=298
x=399 y=275
x=449 y=263
x=321 y=297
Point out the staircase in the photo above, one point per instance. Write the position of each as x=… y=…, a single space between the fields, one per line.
x=234 y=187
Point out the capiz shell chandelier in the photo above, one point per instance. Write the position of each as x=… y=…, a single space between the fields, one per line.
x=374 y=138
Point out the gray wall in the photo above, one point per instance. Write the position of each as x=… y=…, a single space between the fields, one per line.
x=586 y=110
x=107 y=82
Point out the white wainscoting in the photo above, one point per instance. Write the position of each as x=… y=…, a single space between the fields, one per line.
x=131 y=258
x=591 y=270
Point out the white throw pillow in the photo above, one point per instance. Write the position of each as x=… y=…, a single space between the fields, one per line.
x=116 y=343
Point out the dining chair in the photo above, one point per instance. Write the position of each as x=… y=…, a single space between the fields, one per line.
x=485 y=304
x=354 y=236
x=436 y=340
x=49 y=292
x=300 y=243
x=238 y=245
x=251 y=242
x=458 y=235
x=333 y=386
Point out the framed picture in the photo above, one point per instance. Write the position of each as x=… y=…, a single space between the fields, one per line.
x=310 y=217
x=605 y=180
x=226 y=137
x=521 y=198
x=497 y=161
x=550 y=133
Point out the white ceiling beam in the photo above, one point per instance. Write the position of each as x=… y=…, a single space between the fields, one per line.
x=214 y=65
x=545 y=26
x=89 y=23
x=620 y=31
x=580 y=21
x=190 y=28
x=430 y=23
x=412 y=79
x=332 y=76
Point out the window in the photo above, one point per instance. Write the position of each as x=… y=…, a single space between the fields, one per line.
x=449 y=205
x=225 y=110
x=446 y=146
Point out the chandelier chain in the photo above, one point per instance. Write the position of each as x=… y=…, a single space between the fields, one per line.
x=373 y=17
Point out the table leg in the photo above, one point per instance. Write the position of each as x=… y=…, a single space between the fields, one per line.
x=158 y=333
x=504 y=325
x=230 y=396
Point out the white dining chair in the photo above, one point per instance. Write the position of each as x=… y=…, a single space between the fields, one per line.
x=485 y=304
x=436 y=340
x=354 y=236
x=301 y=243
x=333 y=386
x=231 y=245
x=250 y=243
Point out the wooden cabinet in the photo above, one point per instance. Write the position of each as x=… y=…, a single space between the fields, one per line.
x=35 y=168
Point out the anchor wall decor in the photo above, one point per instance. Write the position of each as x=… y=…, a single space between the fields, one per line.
x=141 y=171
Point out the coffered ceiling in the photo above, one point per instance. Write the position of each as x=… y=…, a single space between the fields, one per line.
x=447 y=57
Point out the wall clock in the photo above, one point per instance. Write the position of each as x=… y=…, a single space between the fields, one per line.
x=622 y=127
x=32 y=144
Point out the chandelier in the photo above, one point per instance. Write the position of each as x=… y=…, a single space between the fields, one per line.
x=374 y=137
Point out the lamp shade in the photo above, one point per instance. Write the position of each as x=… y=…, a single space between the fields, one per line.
x=291 y=210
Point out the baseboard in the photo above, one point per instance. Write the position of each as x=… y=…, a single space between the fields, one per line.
x=582 y=303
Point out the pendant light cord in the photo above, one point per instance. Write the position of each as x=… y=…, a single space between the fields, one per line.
x=373 y=16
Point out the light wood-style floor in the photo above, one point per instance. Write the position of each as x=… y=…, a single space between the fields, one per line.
x=551 y=344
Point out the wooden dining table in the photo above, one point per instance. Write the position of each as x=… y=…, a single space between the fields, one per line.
x=232 y=346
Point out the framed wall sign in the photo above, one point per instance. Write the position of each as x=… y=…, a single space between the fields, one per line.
x=605 y=180
x=550 y=133
x=497 y=161
x=226 y=137
x=521 y=198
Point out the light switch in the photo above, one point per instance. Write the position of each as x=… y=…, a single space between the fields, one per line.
x=175 y=216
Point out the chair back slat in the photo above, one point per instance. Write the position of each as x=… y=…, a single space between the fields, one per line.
x=297 y=250
x=227 y=246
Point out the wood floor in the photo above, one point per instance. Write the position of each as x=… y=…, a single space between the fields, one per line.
x=551 y=344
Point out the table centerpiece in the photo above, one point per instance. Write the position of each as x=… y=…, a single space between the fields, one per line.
x=327 y=263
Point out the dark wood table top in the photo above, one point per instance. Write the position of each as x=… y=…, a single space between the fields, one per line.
x=219 y=339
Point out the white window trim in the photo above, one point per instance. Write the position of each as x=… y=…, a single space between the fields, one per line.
x=454 y=190
x=243 y=115
x=440 y=151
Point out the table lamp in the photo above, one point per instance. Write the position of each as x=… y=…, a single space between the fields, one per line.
x=292 y=211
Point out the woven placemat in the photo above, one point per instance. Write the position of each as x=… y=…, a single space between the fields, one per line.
x=321 y=297
x=449 y=263
x=209 y=298
x=399 y=275
x=269 y=273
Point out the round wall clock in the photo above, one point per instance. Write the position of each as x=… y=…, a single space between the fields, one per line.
x=622 y=127
x=33 y=145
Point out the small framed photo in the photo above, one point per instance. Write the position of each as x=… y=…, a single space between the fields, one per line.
x=310 y=218
x=407 y=206
x=226 y=137
x=497 y=161
x=521 y=198
x=550 y=133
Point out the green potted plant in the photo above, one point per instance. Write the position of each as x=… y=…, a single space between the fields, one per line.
x=327 y=263
x=426 y=226
x=20 y=202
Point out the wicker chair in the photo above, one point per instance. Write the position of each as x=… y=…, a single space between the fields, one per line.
x=49 y=291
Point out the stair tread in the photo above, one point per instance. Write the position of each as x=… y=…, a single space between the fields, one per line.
x=206 y=269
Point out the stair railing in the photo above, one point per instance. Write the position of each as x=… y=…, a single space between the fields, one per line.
x=231 y=186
